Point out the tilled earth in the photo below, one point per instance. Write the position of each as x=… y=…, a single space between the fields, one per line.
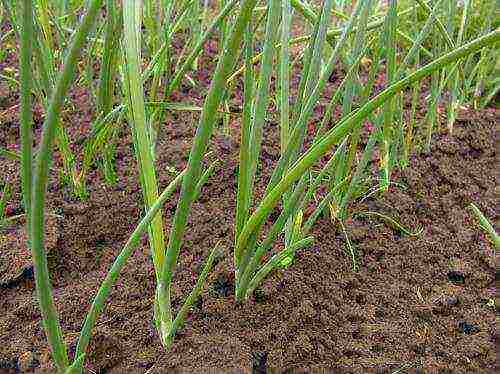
x=415 y=302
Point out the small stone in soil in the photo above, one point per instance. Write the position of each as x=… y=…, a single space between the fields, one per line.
x=100 y=241
x=419 y=349
x=10 y=364
x=222 y=286
x=26 y=274
x=451 y=300
x=456 y=277
x=379 y=312
x=259 y=295
x=467 y=328
x=259 y=365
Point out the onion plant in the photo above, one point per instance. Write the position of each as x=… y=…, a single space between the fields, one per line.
x=39 y=186
x=132 y=21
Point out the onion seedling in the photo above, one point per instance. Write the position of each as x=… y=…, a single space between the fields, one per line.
x=486 y=226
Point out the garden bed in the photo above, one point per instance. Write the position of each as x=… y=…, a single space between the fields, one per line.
x=414 y=302
x=415 y=294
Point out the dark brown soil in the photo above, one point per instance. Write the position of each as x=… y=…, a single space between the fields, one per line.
x=416 y=304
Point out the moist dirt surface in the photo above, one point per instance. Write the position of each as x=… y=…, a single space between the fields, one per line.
x=414 y=304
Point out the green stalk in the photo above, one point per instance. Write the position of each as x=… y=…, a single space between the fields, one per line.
x=26 y=117
x=311 y=71
x=105 y=95
x=120 y=261
x=258 y=112
x=349 y=93
x=315 y=42
x=44 y=41
x=411 y=122
x=455 y=101
x=43 y=9
x=63 y=7
x=246 y=261
x=359 y=42
x=441 y=27
x=393 y=223
x=255 y=259
x=44 y=58
x=105 y=92
x=223 y=39
x=487 y=63
x=432 y=117
x=150 y=25
x=304 y=9
x=327 y=169
x=284 y=76
x=192 y=297
x=190 y=8
x=311 y=92
x=297 y=136
x=415 y=48
x=195 y=28
x=243 y=198
x=284 y=82
x=4 y=198
x=87 y=77
x=388 y=128
x=414 y=101
x=223 y=26
x=338 y=91
x=486 y=226
x=275 y=261
x=132 y=15
x=161 y=57
x=12 y=155
x=349 y=247
x=46 y=80
x=411 y=41
x=321 y=207
x=296 y=235
x=262 y=91
x=40 y=180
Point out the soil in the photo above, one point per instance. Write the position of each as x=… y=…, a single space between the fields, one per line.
x=415 y=303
